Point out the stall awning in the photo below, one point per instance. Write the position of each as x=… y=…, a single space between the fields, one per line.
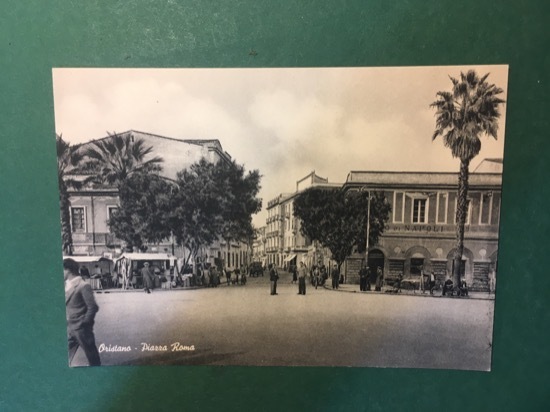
x=88 y=259
x=147 y=256
x=289 y=258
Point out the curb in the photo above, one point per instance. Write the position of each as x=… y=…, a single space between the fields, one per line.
x=115 y=291
x=420 y=295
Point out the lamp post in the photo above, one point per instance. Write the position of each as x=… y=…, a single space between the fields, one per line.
x=368 y=229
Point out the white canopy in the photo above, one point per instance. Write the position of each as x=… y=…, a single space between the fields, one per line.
x=147 y=256
x=289 y=258
x=88 y=259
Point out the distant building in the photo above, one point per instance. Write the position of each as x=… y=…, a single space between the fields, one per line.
x=421 y=233
x=259 y=246
x=285 y=243
x=91 y=207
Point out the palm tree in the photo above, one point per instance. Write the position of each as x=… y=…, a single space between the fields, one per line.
x=462 y=117
x=117 y=157
x=68 y=160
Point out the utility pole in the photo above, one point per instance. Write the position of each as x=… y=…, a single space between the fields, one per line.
x=368 y=230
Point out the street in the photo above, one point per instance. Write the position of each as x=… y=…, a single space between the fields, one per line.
x=245 y=325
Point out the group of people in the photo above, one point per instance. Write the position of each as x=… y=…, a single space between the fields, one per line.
x=318 y=275
x=206 y=276
x=449 y=288
x=427 y=282
x=366 y=279
x=299 y=275
x=237 y=277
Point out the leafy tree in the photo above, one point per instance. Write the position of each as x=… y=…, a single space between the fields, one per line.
x=118 y=157
x=470 y=110
x=69 y=160
x=214 y=200
x=145 y=204
x=239 y=201
x=196 y=213
x=338 y=220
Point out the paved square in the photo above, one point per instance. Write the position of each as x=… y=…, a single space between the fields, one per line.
x=244 y=325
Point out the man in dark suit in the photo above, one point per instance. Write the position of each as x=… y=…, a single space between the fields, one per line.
x=335 y=277
x=81 y=310
x=148 y=278
x=273 y=277
x=302 y=274
x=363 y=278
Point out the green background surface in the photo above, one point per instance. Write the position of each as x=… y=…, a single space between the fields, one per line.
x=38 y=35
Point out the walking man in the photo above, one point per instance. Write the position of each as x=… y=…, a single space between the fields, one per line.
x=335 y=276
x=273 y=277
x=302 y=274
x=363 y=274
x=147 y=277
x=432 y=283
x=81 y=309
x=379 y=279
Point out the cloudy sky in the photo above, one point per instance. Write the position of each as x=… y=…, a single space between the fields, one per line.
x=284 y=122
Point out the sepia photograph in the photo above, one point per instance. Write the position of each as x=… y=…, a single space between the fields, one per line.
x=281 y=217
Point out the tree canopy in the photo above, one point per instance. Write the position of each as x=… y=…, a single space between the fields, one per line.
x=470 y=110
x=338 y=220
x=214 y=200
x=116 y=158
x=143 y=214
x=69 y=160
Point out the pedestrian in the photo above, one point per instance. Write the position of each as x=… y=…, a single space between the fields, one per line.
x=157 y=281
x=316 y=276
x=84 y=273
x=398 y=284
x=294 y=272
x=228 y=276
x=206 y=277
x=379 y=279
x=432 y=283
x=215 y=277
x=492 y=280
x=302 y=274
x=324 y=274
x=335 y=275
x=81 y=308
x=448 y=286
x=463 y=287
x=370 y=279
x=147 y=277
x=114 y=279
x=237 y=272
x=273 y=277
x=363 y=278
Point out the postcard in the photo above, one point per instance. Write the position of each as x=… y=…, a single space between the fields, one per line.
x=281 y=216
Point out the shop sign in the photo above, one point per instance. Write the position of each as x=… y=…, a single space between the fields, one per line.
x=422 y=228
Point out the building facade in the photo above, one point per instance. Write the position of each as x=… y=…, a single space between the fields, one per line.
x=286 y=245
x=92 y=206
x=420 y=236
x=259 y=246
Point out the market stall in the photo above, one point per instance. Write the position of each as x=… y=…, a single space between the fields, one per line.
x=95 y=269
x=129 y=268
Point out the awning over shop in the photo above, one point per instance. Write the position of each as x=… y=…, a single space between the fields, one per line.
x=289 y=258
